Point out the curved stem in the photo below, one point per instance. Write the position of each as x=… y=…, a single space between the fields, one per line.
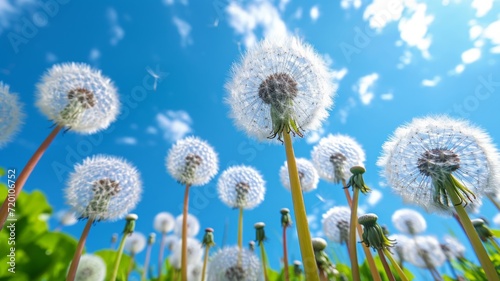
x=285 y=255
x=368 y=254
x=352 y=236
x=160 y=255
x=481 y=254
x=305 y=242
x=396 y=265
x=386 y=265
x=264 y=260
x=118 y=257
x=184 y=235
x=78 y=251
x=205 y=262
x=26 y=172
x=146 y=262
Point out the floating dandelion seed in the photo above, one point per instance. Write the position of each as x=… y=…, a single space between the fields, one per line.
x=78 y=97
x=91 y=268
x=409 y=221
x=334 y=155
x=422 y=155
x=241 y=187
x=11 y=114
x=192 y=161
x=157 y=76
x=308 y=176
x=281 y=85
x=336 y=223
x=103 y=188
x=224 y=265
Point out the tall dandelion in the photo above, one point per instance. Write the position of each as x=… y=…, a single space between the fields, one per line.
x=241 y=187
x=76 y=97
x=11 y=114
x=101 y=188
x=444 y=163
x=282 y=87
x=224 y=266
x=192 y=162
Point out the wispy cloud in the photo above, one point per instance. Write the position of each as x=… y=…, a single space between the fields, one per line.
x=50 y=57
x=255 y=15
x=491 y=33
x=413 y=30
x=374 y=197
x=117 y=32
x=315 y=136
x=364 y=88
x=172 y=2
x=94 y=55
x=387 y=96
x=347 y=4
x=151 y=130
x=10 y=9
x=184 y=29
x=471 y=55
x=314 y=13
x=482 y=7
x=174 y=124
x=126 y=140
x=431 y=82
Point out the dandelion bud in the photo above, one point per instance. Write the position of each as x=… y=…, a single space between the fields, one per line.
x=286 y=219
x=482 y=229
x=373 y=235
x=260 y=234
x=297 y=270
x=357 y=181
x=251 y=246
x=130 y=224
x=208 y=238
x=151 y=238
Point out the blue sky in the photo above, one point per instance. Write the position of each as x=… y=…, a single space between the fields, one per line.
x=391 y=63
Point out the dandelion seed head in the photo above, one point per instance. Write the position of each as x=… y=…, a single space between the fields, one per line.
x=11 y=114
x=170 y=240
x=401 y=247
x=409 y=221
x=194 y=252
x=135 y=242
x=224 y=265
x=103 y=188
x=192 y=161
x=164 y=222
x=78 y=97
x=90 y=268
x=193 y=225
x=334 y=156
x=241 y=187
x=426 y=251
x=279 y=80
x=336 y=223
x=452 y=247
x=428 y=150
x=308 y=176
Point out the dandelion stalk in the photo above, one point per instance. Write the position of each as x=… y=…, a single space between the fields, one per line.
x=286 y=221
x=396 y=266
x=304 y=235
x=160 y=255
x=240 y=229
x=184 y=235
x=260 y=236
x=151 y=241
x=129 y=229
x=79 y=250
x=386 y=265
x=208 y=241
x=368 y=254
x=26 y=172
x=489 y=269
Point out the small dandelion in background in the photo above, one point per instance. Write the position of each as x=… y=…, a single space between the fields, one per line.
x=427 y=253
x=164 y=222
x=65 y=218
x=409 y=221
x=135 y=243
x=336 y=224
x=11 y=114
x=225 y=267
x=91 y=268
x=308 y=176
x=401 y=247
x=452 y=248
x=192 y=226
x=194 y=253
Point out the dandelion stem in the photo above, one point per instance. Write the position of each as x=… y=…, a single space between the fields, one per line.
x=452 y=269
x=495 y=244
x=285 y=255
x=494 y=201
x=481 y=254
x=264 y=260
x=146 y=262
x=119 y=257
x=368 y=254
x=305 y=242
x=386 y=265
x=184 y=235
x=25 y=173
x=160 y=255
x=396 y=266
x=240 y=230
x=205 y=262
x=352 y=236
x=131 y=264
x=78 y=251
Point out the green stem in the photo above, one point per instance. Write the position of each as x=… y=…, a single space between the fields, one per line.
x=352 y=236
x=205 y=262
x=131 y=265
x=495 y=244
x=305 y=242
x=78 y=251
x=285 y=255
x=146 y=262
x=396 y=265
x=481 y=254
x=160 y=255
x=118 y=257
x=386 y=265
x=184 y=235
x=264 y=260
x=240 y=230
x=368 y=254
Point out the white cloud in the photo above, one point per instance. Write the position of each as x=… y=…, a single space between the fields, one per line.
x=364 y=87
x=174 y=124
x=344 y=111
x=496 y=219
x=10 y=10
x=374 y=197
x=260 y=14
x=475 y=31
x=471 y=55
x=314 y=12
x=94 y=55
x=346 y=4
x=413 y=30
x=151 y=130
x=126 y=140
x=171 y=2
x=431 y=82
x=315 y=136
x=338 y=75
x=459 y=68
x=382 y=12
x=482 y=7
x=492 y=33
x=50 y=57
x=298 y=13
x=117 y=32
x=184 y=29
x=283 y=4
x=387 y=96
x=495 y=50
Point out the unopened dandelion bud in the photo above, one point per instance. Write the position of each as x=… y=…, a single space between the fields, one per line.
x=482 y=229
x=297 y=268
x=373 y=235
x=260 y=235
x=208 y=238
x=286 y=219
x=130 y=223
x=151 y=238
x=357 y=181
x=322 y=260
x=319 y=244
